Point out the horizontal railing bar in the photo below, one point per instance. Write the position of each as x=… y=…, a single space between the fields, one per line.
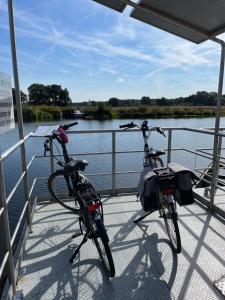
x=15 y=188
x=107 y=131
x=18 y=182
x=209 y=182
x=203 y=131
x=30 y=162
x=4 y=261
x=211 y=154
x=32 y=187
x=117 y=173
x=117 y=152
x=200 y=169
x=1 y=211
x=205 y=180
x=200 y=149
x=103 y=153
x=19 y=223
x=208 y=175
x=193 y=152
x=11 y=150
x=73 y=154
x=99 y=174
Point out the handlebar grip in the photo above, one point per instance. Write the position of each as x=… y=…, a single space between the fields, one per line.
x=129 y=125
x=124 y=126
x=67 y=126
x=160 y=130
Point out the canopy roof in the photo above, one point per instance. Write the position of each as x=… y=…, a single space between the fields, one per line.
x=194 y=20
x=114 y=4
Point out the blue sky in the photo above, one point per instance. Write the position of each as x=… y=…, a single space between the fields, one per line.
x=98 y=53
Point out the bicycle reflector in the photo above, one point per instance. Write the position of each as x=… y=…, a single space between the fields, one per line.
x=167 y=191
x=93 y=207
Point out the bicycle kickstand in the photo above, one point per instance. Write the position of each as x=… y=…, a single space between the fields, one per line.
x=143 y=217
x=78 y=248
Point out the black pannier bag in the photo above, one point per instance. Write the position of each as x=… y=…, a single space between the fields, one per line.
x=183 y=180
x=148 y=189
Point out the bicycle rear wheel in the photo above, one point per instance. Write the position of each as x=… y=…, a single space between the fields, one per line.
x=59 y=190
x=101 y=241
x=170 y=218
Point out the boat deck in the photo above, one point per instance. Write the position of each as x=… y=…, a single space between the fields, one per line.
x=146 y=267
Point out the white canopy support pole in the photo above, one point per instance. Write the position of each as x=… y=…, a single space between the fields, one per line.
x=216 y=150
x=19 y=108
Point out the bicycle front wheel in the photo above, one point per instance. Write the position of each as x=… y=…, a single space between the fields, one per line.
x=170 y=218
x=158 y=163
x=101 y=241
x=61 y=190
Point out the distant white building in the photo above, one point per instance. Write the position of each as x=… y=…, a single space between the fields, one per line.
x=6 y=104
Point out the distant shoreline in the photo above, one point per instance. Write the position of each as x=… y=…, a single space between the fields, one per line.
x=32 y=113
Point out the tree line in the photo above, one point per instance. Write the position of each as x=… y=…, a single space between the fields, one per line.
x=40 y=94
x=201 y=98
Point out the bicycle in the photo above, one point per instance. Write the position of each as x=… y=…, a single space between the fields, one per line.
x=80 y=197
x=166 y=189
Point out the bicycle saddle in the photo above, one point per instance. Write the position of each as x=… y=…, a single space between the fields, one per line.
x=155 y=153
x=75 y=165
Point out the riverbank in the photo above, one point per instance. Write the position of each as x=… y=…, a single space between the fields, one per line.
x=33 y=113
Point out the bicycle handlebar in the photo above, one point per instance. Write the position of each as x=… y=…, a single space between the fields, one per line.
x=67 y=126
x=143 y=127
x=58 y=134
x=128 y=125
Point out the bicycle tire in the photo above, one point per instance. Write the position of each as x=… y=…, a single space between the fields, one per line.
x=102 y=244
x=63 y=198
x=158 y=163
x=170 y=220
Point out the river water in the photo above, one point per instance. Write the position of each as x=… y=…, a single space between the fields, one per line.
x=101 y=143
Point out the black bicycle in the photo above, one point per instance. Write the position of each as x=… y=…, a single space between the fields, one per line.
x=75 y=192
x=166 y=189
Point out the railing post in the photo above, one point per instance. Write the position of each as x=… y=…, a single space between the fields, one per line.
x=52 y=164
x=6 y=230
x=113 y=163
x=19 y=109
x=52 y=157
x=218 y=159
x=169 y=146
x=215 y=164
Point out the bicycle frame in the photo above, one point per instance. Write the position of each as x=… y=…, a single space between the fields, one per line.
x=148 y=161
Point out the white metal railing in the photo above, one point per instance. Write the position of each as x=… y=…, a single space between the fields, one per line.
x=7 y=267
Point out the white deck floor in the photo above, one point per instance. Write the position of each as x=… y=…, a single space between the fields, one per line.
x=146 y=267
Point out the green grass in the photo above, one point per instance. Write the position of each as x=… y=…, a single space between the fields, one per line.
x=101 y=111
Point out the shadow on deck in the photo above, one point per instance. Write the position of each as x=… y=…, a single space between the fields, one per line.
x=146 y=267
